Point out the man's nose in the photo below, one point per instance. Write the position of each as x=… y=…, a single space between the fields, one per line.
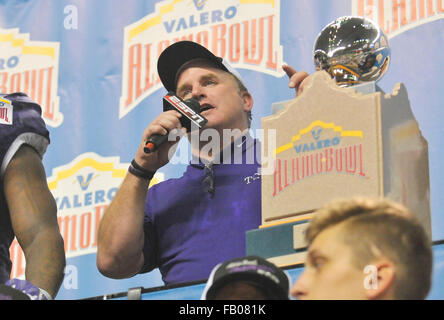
x=299 y=289
x=198 y=93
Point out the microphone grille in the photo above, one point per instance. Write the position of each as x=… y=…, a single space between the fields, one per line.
x=193 y=104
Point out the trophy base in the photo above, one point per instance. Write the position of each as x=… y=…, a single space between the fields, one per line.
x=282 y=244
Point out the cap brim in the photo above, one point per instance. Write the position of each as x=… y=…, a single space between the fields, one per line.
x=173 y=57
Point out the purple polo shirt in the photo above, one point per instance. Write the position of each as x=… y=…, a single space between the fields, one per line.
x=189 y=229
x=25 y=127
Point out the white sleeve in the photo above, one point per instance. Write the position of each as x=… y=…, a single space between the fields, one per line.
x=38 y=142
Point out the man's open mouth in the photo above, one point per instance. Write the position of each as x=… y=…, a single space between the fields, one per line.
x=205 y=107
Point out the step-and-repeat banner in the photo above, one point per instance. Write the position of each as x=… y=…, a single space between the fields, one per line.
x=91 y=65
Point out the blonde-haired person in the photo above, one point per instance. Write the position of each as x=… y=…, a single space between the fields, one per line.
x=363 y=248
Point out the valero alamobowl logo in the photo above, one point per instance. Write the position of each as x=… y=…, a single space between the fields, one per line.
x=320 y=148
x=31 y=67
x=244 y=32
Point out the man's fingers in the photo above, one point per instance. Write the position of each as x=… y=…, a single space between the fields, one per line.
x=288 y=70
x=297 y=78
x=156 y=129
x=163 y=124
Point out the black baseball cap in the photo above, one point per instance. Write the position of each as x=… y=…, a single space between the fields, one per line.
x=272 y=281
x=176 y=55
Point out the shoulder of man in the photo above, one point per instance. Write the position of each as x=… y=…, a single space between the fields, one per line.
x=20 y=123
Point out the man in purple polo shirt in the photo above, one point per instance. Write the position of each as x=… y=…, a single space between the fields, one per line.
x=186 y=226
x=27 y=207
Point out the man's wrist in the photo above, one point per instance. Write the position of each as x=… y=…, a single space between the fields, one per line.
x=31 y=290
x=138 y=171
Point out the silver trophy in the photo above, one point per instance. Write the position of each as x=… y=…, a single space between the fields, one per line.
x=352 y=50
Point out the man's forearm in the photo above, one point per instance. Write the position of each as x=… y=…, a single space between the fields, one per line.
x=45 y=261
x=121 y=235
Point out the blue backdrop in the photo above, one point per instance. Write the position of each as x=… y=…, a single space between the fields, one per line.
x=91 y=65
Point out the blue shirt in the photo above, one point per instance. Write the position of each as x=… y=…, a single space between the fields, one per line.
x=25 y=127
x=189 y=229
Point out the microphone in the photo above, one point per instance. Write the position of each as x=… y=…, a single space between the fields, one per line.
x=191 y=118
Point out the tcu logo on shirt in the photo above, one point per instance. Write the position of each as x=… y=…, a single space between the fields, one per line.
x=5 y=111
x=252 y=178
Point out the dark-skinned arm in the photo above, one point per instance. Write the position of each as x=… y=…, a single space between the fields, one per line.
x=33 y=213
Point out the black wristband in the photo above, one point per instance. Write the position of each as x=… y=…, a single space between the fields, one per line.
x=140 y=172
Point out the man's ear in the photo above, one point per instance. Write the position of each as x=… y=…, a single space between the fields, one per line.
x=247 y=100
x=383 y=282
